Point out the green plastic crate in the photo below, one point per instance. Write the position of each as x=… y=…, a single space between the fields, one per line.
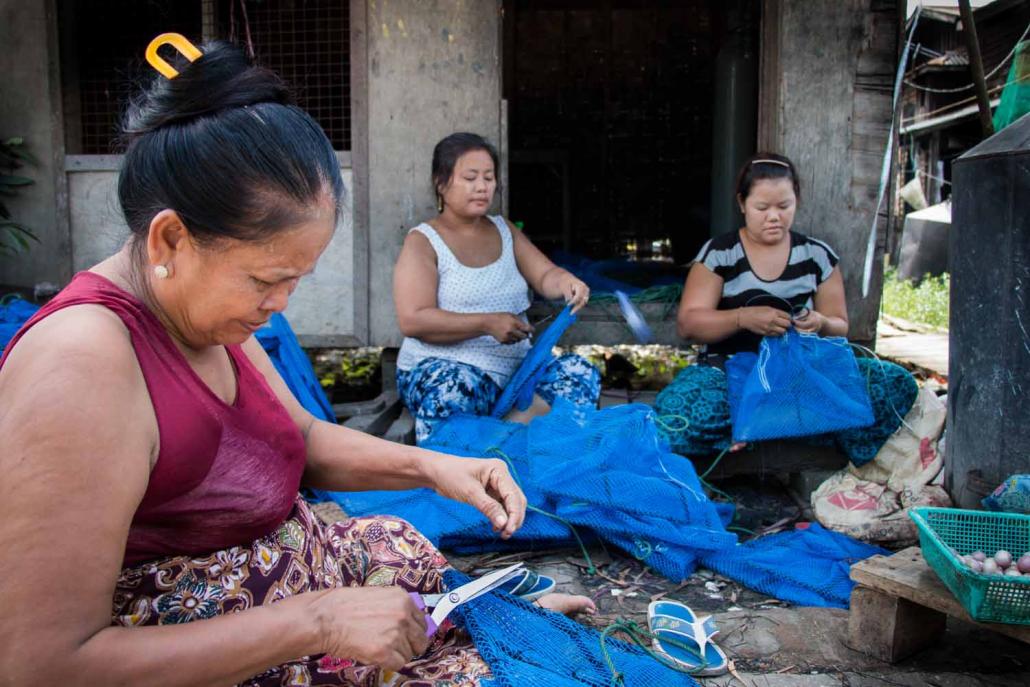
x=987 y=598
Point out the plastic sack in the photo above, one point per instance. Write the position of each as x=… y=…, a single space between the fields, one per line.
x=872 y=512
x=801 y=385
x=911 y=457
x=1011 y=496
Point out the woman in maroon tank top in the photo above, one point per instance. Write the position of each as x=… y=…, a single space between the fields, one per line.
x=152 y=455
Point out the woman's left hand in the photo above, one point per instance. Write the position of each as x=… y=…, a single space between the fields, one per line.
x=484 y=484
x=575 y=291
x=812 y=323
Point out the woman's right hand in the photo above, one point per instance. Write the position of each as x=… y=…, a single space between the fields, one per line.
x=379 y=626
x=764 y=320
x=507 y=328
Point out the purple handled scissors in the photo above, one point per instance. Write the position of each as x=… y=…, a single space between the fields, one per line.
x=443 y=604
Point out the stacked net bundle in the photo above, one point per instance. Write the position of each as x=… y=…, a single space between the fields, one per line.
x=695 y=412
x=526 y=645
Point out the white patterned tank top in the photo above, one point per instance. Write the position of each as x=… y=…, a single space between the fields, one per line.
x=497 y=287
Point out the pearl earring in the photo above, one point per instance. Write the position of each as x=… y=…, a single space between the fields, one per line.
x=161 y=272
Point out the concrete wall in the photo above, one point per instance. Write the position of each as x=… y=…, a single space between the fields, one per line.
x=30 y=107
x=831 y=110
x=321 y=310
x=433 y=68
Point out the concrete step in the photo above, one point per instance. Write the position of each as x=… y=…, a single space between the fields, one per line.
x=402 y=430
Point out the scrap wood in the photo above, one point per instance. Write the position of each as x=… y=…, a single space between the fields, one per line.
x=733 y=671
x=789 y=668
x=621 y=582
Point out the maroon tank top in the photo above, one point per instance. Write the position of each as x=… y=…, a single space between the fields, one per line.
x=225 y=474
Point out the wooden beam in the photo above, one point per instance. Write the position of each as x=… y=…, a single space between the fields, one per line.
x=770 y=77
x=976 y=66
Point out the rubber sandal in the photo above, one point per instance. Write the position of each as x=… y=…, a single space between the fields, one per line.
x=528 y=585
x=685 y=639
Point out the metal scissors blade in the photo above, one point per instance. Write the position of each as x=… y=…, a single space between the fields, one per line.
x=443 y=604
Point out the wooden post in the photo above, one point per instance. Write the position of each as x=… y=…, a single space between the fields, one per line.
x=889 y=628
x=976 y=66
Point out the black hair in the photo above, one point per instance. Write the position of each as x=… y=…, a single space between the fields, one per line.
x=224 y=146
x=766 y=166
x=450 y=148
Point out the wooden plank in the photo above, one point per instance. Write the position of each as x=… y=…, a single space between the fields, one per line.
x=906 y=575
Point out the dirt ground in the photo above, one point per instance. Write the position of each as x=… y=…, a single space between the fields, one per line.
x=771 y=643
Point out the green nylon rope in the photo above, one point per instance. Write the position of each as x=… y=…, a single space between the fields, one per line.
x=591 y=569
x=642 y=638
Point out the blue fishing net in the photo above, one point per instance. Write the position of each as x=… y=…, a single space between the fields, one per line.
x=608 y=475
x=519 y=391
x=801 y=385
x=14 y=312
x=279 y=341
x=808 y=567
x=526 y=645
x=590 y=475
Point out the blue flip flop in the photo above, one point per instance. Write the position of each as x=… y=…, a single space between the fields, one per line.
x=528 y=585
x=684 y=638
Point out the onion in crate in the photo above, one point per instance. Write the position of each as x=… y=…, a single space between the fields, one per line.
x=1003 y=559
x=1024 y=563
x=991 y=567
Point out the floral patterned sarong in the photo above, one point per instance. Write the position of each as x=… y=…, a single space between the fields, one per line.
x=301 y=556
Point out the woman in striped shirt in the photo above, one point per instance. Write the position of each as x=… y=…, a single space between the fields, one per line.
x=759 y=281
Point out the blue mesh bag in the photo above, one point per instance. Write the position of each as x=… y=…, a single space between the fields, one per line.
x=519 y=391
x=526 y=645
x=800 y=385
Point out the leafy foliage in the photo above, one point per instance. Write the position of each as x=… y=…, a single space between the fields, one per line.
x=926 y=302
x=14 y=236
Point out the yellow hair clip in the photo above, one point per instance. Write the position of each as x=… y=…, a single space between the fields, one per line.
x=177 y=41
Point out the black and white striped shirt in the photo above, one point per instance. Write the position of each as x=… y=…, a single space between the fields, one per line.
x=810 y=264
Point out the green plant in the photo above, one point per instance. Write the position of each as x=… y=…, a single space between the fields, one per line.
x=926 y=302
x=14 y=236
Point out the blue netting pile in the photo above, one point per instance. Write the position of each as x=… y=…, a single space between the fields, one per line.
x=14 y=312
x=609 y=475
x=799 y=385
x=808 y=567
x=279 y=341
x=526 y=645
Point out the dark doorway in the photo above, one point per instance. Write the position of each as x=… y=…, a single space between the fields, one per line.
x=611 y=115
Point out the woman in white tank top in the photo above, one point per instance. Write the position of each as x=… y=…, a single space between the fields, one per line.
x=461 y=289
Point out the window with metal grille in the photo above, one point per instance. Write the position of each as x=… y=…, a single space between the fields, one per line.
x=102 y=44
x=307 y=42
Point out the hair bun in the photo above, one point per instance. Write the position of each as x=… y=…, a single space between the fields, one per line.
x=222 y=78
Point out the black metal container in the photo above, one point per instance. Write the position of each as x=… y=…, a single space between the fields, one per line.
x=988 y=435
